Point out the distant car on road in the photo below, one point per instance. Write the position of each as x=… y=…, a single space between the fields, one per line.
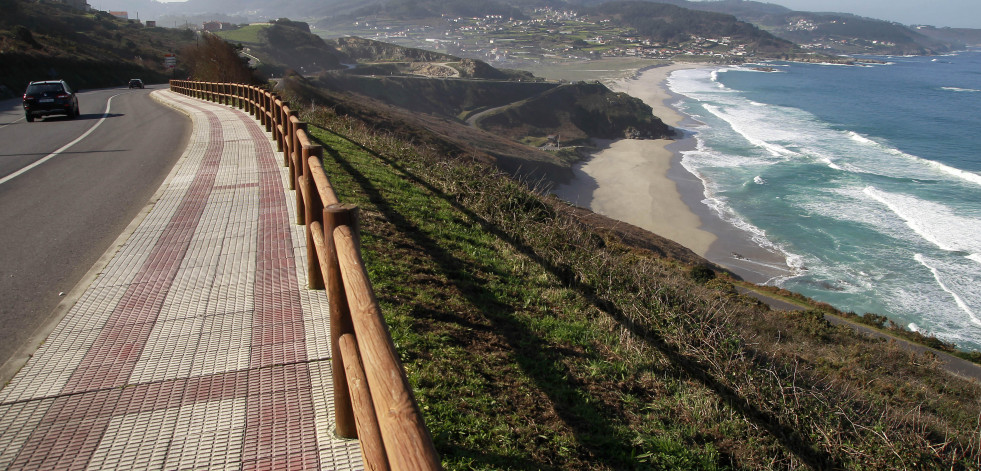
x=50 y=97
x=135 y=83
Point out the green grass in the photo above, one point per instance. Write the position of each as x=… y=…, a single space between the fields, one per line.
x=535 y=342
x=472 y=294
x=245 y=35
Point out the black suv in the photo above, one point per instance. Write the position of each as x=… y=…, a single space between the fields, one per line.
x=50 y=97
x=135 y=83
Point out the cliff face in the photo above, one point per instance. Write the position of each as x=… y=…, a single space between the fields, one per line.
x=578 y=112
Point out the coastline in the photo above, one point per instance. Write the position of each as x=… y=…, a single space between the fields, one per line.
x=627 y=178
x=642 y=182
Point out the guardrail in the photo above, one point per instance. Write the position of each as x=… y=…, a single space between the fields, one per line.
x=372 y=398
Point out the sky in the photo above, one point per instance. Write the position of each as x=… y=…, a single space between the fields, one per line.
x=953 y=13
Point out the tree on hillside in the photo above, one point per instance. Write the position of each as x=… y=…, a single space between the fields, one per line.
x=214 y=60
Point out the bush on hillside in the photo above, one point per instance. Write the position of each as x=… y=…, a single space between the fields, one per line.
x=214 y=60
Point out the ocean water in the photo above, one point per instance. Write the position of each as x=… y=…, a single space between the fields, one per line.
x=866 y=179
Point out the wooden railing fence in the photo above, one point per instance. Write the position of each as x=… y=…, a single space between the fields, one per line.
x=372 y=397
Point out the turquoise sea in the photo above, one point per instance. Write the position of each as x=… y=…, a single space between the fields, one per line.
x=866 y=179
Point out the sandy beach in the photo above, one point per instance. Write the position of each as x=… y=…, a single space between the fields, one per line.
x=628 y=179
x=642 y=182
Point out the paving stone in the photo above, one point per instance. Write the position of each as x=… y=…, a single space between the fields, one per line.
x=199 y=345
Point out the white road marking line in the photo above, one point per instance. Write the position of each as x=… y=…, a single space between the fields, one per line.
x=62 y=149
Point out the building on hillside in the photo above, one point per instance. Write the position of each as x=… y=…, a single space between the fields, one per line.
x=123 y=15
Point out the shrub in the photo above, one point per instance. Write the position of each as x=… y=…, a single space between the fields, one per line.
x=701 y=273
x=24 y=34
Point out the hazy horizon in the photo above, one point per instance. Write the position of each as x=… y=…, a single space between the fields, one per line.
x=952 y=13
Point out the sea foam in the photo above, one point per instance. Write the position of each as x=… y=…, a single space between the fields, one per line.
x=918 y=165
x=961 y=303
x=934 y=222
x=846 y=192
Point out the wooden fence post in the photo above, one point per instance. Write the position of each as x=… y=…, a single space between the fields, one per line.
x=295 y=126
x=340 y=315
x=301 y=153
x=298 y=176
x=369 y=435
x=407 y=440
x=268 y=105
x=277 y=130
x=313 y=208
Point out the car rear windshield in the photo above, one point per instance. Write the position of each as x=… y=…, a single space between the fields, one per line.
x=37 y=88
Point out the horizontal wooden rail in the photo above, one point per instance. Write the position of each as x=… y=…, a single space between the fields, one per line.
x=373 y=400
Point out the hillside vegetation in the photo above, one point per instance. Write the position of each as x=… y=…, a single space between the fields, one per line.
x=578 y=112
x=436 y=131
x=41 y=41
x=367 y=50
x=446 y=97
x=534 y=340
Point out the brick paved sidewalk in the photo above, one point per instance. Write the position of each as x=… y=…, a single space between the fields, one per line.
x=197 y=346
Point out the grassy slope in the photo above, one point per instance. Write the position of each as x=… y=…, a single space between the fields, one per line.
x=535 y=342
x=248 y=34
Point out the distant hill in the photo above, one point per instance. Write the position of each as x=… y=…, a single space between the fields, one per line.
x=419 y=9
x=673 y=24
x=849 y=34
x=234 y=11
x=42 y=40
x=831 y=33
x=960 y=37
x=836 y=33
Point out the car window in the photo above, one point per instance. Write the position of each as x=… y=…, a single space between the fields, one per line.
x=44 y=88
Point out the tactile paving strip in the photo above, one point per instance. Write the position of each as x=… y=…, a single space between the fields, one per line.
x=198 y=345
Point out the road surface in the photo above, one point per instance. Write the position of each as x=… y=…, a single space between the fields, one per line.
x=68 y=189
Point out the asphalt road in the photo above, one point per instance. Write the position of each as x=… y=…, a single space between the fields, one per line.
x=68 y=189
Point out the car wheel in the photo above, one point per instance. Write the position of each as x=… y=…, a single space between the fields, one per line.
x=29 y=117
